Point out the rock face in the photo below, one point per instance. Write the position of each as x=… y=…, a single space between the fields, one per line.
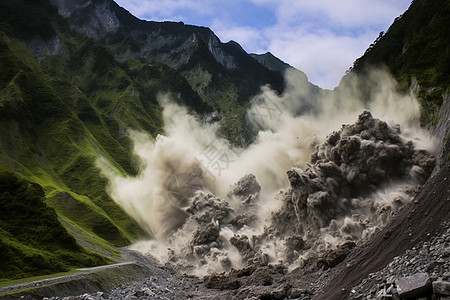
x=102 y=21
x=441 y=287
x=182 y=47
x=416 y=285
x=42 y=49
x=442 y=128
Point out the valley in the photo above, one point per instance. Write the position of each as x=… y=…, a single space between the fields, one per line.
x=175 y=166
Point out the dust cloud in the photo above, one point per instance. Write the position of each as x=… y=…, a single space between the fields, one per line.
x=211 y=206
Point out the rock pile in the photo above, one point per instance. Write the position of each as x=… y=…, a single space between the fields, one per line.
x=330 y=206
x=211 y=226
x=335 y=203
x=422 y=272
x=329 y=209
x=345 y=170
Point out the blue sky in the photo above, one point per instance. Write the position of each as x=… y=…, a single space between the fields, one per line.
x=321 y=37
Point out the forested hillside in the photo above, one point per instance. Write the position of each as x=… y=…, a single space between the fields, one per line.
x=416 y=48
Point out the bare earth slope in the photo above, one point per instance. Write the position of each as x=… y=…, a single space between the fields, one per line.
x=414 y=224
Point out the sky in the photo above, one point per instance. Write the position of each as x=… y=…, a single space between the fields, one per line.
x=322 y=37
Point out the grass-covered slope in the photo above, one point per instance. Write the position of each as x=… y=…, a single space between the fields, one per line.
x=65 y=102
x=32 y=241
x=55 y=144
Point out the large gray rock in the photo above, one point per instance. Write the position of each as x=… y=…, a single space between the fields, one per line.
x=414 y=286
x=246 y=186
x=441 y=288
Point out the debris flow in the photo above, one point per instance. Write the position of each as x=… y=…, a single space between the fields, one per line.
x=295 y=198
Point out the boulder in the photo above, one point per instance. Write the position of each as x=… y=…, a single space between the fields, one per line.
x=332 y=258
x=206 y=234
x=246 y=186
x=441 y=288
x=415 y=285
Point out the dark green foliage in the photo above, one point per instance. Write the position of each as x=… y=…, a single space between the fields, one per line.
x=416 y=45
x=24 y=214
x=32 y=241
x=51 y=128
x=152 y=80
x=26 y=18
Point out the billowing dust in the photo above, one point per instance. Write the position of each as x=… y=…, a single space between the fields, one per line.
x=324 y=173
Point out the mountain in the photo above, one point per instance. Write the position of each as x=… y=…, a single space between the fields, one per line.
x=271 y=62
x=415 y=47
x=223 y=75
x=76 y=75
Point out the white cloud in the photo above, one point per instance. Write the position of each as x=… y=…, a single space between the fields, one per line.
x=322 y=37
x=323 y=55
x=251 y=39
x=316 y=48
x=173 y=10
x=347 y=13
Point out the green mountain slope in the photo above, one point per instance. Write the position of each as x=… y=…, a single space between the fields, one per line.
x=64 y=103
x=223 y=75
x=32 y=241
x=53 y=141
x=70 y=87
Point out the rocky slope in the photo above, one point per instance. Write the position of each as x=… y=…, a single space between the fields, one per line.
x=419 y=232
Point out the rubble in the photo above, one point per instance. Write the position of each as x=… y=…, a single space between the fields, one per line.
x=422 y=271
x=344 y=171
x=245 y=187
x=329 y=209
x=441 y=287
